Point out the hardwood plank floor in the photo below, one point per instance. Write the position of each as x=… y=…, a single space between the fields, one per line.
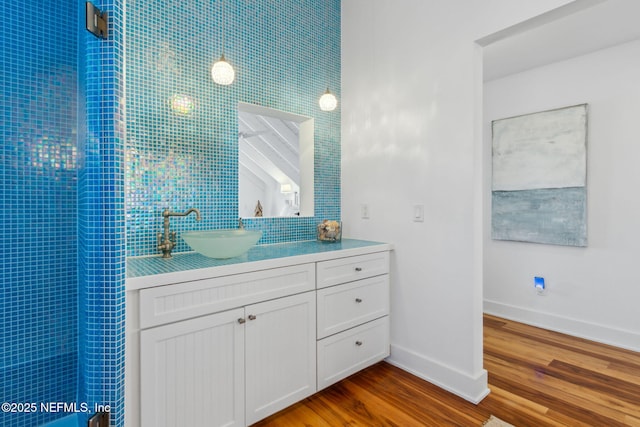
x=537 y=378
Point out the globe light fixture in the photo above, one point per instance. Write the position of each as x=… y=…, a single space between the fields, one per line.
x=328 y=101
x=222 y=72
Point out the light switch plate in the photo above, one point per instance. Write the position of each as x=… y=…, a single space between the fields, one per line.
x=418 y=213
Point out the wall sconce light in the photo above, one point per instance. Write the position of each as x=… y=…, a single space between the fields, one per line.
x=328 y=101
x=222 y=72
x=286 y=188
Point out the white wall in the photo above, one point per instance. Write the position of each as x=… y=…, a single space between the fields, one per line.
x=412 y=134
x=593 y=292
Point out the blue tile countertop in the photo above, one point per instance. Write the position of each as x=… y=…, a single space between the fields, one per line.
x=150 y=271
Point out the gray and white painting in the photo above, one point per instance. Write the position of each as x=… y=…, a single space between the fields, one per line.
x=539 y=191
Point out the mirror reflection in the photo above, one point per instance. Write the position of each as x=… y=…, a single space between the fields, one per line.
x=275 y=163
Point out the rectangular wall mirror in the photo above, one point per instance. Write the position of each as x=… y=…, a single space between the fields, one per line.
x=275 y=163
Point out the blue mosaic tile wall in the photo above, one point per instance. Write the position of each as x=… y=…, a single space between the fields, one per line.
x=38 y=191
x=101 y=219
x=285 y=54
x=63 y=172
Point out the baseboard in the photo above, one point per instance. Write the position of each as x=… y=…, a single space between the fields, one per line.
x=578 y=328
x=472 y=389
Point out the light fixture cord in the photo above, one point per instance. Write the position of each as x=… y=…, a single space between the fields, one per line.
x=326 y=52
x=224 y=25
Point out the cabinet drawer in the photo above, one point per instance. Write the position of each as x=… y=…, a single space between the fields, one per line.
x=348 y=269
x=348 y=352
x=345 y=306
x=172 y=303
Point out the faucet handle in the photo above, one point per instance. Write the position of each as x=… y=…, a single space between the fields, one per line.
x=172 y=236
x=240 y=224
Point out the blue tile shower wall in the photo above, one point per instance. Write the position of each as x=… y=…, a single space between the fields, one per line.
x=38 y=192
x=101 y=219
x=285 y=53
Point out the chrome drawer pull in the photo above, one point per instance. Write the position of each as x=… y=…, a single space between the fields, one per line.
x=252 y=317
x=241 y=320
x=358 y=343
x=358 y=300
x=358 y=268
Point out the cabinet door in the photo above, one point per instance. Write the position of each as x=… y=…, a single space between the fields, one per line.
x=280 y=354
x=192 y=372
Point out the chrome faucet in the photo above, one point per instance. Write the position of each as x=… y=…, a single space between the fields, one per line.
x=167 y=241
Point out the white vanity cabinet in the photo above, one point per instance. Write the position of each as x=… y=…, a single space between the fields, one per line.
x=229 y=368
x=353 y=315
x=229 y=350
x=231 y=345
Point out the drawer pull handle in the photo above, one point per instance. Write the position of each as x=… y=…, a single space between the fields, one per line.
x=358 y=300
x=252 y=317
x=241 y=320
x=358 y=343
x=358 y=268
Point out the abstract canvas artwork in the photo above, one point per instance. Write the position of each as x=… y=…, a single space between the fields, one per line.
x=539 y=188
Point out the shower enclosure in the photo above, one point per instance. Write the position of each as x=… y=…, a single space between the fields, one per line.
x=64 y=159
x=62 y=299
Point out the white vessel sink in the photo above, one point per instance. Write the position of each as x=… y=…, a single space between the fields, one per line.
x=222 y=244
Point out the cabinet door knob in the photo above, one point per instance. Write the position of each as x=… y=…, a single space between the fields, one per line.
x=241 y=320
x=358 y=343
x=358 y=300
x=252 y=317
x=358 y=268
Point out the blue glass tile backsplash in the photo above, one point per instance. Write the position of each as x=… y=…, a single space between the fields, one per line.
x=285 y=54
x=38 y=192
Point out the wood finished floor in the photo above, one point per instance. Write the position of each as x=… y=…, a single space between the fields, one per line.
x=537 y=378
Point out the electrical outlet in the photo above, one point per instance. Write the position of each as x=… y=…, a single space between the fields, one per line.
x=364 y=211
x=539 y=285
